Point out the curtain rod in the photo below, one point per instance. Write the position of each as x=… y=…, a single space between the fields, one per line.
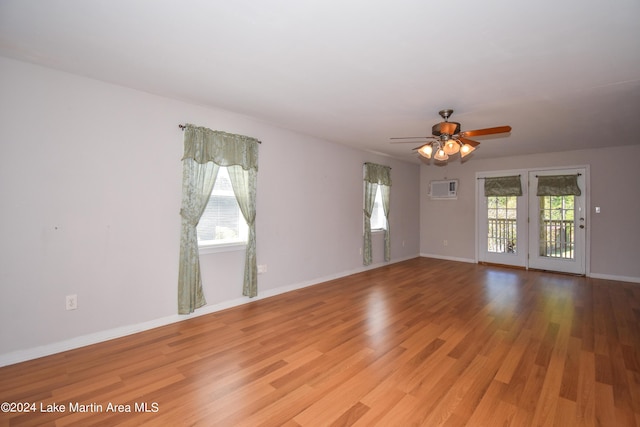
x=537 y=176
x=506 y=176
x=183 y=127
x=577 y=174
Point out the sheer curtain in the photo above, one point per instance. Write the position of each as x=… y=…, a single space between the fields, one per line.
x=244 y=182
x=197 y=182
x=369 y=200
x=205 y=151
x=376 y=176
x=386 y=192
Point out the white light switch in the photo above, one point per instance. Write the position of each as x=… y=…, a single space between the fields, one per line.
x=597 y=209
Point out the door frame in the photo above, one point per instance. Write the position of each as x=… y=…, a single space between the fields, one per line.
x=524 y=173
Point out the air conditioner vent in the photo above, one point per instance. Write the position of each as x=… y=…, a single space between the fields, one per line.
x=444 y=190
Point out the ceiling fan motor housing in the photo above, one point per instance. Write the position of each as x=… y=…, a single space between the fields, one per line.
x=436 y=130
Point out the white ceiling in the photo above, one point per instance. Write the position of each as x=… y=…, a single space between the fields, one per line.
x=564 y=74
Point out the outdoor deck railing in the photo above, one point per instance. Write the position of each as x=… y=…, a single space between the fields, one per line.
x=556 y=237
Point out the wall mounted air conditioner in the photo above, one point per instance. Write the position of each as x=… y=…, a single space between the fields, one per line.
x=444 y=190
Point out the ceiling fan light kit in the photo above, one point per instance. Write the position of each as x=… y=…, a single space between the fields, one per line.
x=448 y=140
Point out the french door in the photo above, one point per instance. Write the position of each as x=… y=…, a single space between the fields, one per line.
x=531 y=231
x=502 y=228
x=557 y=226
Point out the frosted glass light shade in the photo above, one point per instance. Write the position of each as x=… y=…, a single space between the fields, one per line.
x=441 y=155
x=466 y=149
x=426 y=151
x=451 y=147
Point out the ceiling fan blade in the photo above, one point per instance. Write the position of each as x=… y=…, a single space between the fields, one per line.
x=470 y=142
x=487 y=131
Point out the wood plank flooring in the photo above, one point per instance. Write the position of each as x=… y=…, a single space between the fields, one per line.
x=423 y=342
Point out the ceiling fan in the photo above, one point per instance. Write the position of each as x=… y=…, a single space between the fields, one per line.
x=449 y=140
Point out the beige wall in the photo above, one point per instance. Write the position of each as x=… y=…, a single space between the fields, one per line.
x=90 y=179
x=614 y=186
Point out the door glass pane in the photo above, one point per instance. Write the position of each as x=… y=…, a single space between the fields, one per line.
x=557 y=238
x=501 y=226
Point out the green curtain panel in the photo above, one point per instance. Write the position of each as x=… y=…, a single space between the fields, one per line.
x=376 y=175
x=197 y=182
x=503 y=186
x=205 y=150
x=386 y=192
x=558 y=185
x=244 y=187
x=369 y=200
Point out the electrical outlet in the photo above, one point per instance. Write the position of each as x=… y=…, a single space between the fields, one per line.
x=72 y=302
x=262 y=268
x=445 y=242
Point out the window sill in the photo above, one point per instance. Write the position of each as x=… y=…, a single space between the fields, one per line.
x=222 y=247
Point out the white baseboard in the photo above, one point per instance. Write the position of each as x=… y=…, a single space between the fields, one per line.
x=614 y=277
x=97 y=337
x=449 y=258
x=593 y=275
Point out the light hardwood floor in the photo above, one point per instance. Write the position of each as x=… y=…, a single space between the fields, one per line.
x=422 y=342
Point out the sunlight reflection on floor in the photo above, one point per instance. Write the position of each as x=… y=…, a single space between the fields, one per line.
x=502 y=291
x=377 y=315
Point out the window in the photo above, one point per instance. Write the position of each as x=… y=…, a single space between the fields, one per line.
x=378 y=220
x=377 y=189
x=222 y=221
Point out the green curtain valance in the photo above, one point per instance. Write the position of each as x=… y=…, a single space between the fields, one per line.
x=558 y=185
x=224 y=149
x=377 y=174
x=503 y=186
